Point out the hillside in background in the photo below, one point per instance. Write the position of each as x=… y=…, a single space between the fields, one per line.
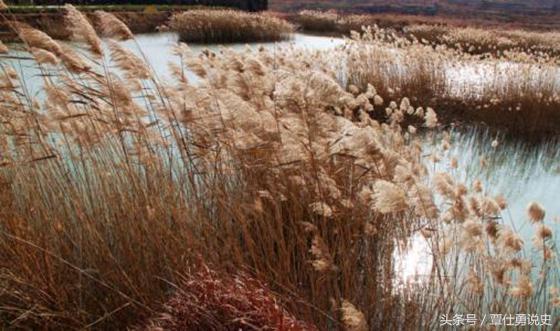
x=432 y=7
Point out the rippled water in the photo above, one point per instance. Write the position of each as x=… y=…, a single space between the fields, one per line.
x=519 y=171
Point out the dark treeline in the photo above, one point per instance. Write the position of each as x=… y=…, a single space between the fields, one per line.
x=250 y=5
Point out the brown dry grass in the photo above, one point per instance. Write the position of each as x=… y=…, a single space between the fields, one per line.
x=517 y=93
x=228 y=26
x=207 y=300
x=115 y=186
x=470 y=37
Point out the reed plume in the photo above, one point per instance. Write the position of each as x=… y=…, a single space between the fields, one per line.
x=44 y=57
x=353 y=319
x=111 y=27
x=38 y=39
x=3 y=48
x=536 y=212
x=82 y=30
x=388 y=197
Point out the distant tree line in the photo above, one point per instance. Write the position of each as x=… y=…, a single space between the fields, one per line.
x=250 y=5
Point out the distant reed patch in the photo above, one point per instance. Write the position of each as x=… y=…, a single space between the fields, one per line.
x=227 y=26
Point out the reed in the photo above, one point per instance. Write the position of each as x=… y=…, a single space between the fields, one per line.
x=118 y=189
x=317 y=21
x=228 y=26
x=493 y=41
x=516 y=93
x=474 y=38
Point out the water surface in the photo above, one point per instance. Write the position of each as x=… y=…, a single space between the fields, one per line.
x=521 y=172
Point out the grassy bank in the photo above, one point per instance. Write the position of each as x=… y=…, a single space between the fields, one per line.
x=227 y=26
x=532 y=15
x=119 y=190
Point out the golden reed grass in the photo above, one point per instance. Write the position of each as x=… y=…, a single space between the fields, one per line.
x=228 y=26
x=118 y=189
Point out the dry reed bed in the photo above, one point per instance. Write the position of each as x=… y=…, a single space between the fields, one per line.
x=227 y=298
x=494 y=41
x=228 y=26
x=489 y=41
x=330 y=21
x=115 y=188
x=522 y=98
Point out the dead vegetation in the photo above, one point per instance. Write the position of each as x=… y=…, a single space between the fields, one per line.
x=475 y=39
x=228 y=26
x=270 y=169
x=518 y=92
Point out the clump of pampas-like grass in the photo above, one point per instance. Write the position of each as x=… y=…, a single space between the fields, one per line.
x=228 y=26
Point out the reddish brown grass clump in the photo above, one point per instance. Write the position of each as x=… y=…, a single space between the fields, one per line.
x=207 y=300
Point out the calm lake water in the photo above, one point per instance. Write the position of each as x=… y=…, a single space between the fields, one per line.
x=520 y=172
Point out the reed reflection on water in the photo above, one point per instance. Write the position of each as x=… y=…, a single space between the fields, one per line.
x=520 y=171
